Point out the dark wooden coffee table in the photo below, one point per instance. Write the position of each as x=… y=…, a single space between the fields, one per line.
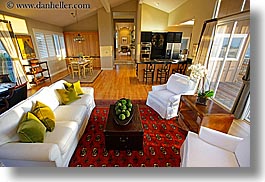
x=124 y=137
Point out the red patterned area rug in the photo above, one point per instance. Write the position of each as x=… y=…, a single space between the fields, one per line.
x=161 y=143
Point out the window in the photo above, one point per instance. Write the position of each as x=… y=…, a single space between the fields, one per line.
x=42 y=48
x=50 y=44
x=246 y=113
x=57 y=45
x=62 y=46
x=222 y=43
x=228 y=62
x=6 y=66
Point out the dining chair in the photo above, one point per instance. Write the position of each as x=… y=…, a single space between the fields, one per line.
x=68 y=63
x=75 y=68
x=86 y=57
x=88 y=66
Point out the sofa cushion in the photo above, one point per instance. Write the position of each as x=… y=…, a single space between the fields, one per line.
x=178 y=84
x=57 y=85
x=45 y=115
x=162 y=96
x=75 y=113
x=76 y=86
x=64 y=134
x=86 y=100
x=31 y=129
x=47 y=97
x=67 y=96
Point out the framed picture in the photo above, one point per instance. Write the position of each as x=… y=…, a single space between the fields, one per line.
x=124 y=40
x=26 y=46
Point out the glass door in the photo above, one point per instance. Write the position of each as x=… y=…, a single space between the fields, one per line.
x=229 y=59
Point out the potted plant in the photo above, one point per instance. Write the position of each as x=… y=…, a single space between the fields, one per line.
x=199 y=72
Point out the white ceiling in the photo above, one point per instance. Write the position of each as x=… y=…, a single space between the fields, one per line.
x=63 y=17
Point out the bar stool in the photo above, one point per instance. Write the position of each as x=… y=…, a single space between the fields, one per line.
x=149 y=72
x=181 y=68
x=163 y=73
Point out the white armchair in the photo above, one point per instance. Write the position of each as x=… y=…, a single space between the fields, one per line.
x=212 y=148
x=164 y=99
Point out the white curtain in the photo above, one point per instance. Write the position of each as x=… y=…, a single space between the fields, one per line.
x=9 y=41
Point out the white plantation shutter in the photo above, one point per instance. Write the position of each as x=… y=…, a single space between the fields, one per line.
x=42 y=48
x=57 y=44
x=50 y=45
x=62 y=46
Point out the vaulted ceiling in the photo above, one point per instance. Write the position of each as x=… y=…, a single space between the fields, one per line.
x=66 y=16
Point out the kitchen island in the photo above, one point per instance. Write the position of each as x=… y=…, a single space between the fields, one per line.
x=158 y=63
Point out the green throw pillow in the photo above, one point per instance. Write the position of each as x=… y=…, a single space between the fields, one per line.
x=31 y=129
x=77 y=87
x=67 y=96
x=45 y=115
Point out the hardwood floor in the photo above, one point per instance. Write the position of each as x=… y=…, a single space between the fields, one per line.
x=111 y=84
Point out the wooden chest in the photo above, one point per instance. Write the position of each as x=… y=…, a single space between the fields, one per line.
x=124 y=137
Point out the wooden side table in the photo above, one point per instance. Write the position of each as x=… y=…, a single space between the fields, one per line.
x=212 y=115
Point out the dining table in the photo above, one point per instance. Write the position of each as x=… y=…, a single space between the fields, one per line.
x=79 y=66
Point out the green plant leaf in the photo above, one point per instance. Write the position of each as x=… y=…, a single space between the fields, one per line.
x=209 y=93
x=206 y=94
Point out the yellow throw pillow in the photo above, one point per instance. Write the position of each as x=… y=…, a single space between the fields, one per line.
x=67 y=96
x=77 y=87
x=31 y=129
x=45 y=115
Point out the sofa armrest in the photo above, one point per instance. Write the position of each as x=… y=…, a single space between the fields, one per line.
x=174 y=99
x=159 y=87
x=88 y=90
x=31 y=152
x=219 y=139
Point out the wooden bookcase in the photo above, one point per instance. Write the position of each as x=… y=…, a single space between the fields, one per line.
x=212 y=115
x=39 y=71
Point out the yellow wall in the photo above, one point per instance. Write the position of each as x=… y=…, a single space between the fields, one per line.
x=153 y=19
x=124 y=33
x=200 y=10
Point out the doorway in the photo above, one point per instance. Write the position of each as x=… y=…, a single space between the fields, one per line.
x=124 y=37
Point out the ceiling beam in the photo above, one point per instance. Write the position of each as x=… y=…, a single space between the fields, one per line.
x=106 y=5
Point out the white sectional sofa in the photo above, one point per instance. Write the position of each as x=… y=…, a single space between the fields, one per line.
x=59 y=145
